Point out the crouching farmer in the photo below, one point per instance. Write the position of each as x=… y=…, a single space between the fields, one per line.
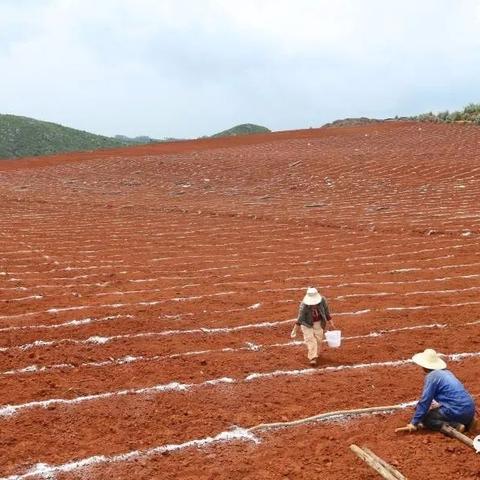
x=454 y=406
x=313 y=316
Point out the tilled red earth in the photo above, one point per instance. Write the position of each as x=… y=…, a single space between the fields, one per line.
x=147 y=296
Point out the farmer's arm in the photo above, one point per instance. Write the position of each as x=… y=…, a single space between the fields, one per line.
x=327 y=311
x=328 y=317
x=425 y=401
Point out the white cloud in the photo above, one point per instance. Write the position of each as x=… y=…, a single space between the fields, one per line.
x=188 y=67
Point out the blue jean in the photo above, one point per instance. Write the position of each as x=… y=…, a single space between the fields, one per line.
x=434 y=420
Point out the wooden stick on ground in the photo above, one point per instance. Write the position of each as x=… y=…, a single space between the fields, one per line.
x=327 y=416
x=379 y=467
x=402 y=429
x=389 y=467
x=451 y=432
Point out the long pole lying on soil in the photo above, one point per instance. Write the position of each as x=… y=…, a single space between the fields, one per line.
x=391 y=469
x=451 y=432
x=326 y=416
x=377 y=463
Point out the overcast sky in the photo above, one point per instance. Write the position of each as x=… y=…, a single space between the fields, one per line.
x=186 y=68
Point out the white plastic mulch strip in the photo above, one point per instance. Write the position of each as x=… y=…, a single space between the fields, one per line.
x=306 y=371
x=209 y=330
x=103 y=339
x=46 y=471
x=7 y=410
x=116 y=305
x=32 y=369
x=71 y=323
x=236 y=434
x=455 y=357
x=441 y=305
x=56 y=310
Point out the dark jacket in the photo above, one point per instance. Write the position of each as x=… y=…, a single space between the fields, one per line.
x=305 y=314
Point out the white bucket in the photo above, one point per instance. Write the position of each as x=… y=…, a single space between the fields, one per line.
x=334 y=338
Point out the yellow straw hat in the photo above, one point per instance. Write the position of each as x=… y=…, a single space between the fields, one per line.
x=429 y=359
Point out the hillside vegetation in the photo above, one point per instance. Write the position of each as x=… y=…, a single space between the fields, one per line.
x=25 y=137
x=28 y=137
x=243 y=129
x=142 y=139
x=470 y=114
x=345 y=122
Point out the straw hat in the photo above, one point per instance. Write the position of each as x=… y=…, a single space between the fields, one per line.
x=429 y=359
x=312 y=297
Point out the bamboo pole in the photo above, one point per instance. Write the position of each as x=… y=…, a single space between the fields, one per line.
x=379 y=467
x=389 y=467
x=451 y=432
x=328 y=416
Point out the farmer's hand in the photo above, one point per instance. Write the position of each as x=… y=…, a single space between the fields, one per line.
x=293 y=334
x=411 y=428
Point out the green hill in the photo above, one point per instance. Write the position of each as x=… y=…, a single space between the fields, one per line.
x=346 y=122
x=243 y=129
x=25 y=137
x=142 y=139
x=470 y=114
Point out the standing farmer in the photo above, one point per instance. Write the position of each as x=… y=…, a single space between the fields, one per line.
x=313 y=316
x=454 y=405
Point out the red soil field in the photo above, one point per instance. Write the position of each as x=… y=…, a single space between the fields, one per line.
x=147 y=296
